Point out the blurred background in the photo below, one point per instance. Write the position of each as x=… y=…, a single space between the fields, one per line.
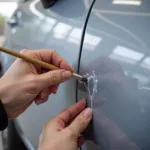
x=7 y=7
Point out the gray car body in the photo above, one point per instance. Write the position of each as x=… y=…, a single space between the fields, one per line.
x=115 y=53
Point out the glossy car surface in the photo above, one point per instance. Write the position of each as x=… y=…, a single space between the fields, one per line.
x=115 y=57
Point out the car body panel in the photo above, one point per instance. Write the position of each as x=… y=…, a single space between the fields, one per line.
x=116 y=61
x=58 y=28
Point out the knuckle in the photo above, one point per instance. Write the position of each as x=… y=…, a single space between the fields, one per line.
x=53 y=77
x=54 y=54
x=49 y=125
x=60 y=122
x=69 y=113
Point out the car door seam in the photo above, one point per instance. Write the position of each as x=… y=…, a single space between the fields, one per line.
x=82 y=42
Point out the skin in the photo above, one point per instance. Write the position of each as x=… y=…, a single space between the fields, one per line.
x=31 y=81
x=25 y=83
x=66 y=128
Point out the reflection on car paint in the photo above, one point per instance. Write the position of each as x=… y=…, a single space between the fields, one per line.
x=117 y=106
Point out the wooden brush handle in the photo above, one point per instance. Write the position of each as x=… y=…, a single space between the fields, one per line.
x=29 y=59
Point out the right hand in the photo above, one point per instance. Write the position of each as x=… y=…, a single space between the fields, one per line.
x=63 y=132
x=24 y=82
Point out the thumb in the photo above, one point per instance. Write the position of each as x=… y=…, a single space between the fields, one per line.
x=53 y=78
x=81 y=122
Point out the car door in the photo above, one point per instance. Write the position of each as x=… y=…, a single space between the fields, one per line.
x=116 y=60
x=59 y=28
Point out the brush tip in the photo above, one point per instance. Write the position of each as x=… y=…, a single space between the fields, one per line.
x=84 y=79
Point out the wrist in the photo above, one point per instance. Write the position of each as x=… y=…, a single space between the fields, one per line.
x=5 y=97
x=2 y=92
x=3 y=117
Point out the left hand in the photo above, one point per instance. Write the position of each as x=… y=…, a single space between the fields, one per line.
x=64 y=131
x=24 y=82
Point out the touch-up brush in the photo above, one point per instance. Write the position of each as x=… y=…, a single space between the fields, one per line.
x=38 y=62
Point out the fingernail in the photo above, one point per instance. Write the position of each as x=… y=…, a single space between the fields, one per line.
x=66 y=75
x=87 y=113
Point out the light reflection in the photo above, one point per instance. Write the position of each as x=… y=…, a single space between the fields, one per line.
x=7 y=8
x=126 y=73
x=126 y=55
x=35 y=11
x=91 y=41
x=13 y=30
x=141 y=79
x=127 y=2
x=48 y=25
x=50 y=20
x=146 y=63
x=74 y=36
x=61 y=30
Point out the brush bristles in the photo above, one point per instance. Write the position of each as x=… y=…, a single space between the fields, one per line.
x=84 y=79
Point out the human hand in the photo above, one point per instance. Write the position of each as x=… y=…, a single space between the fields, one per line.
x=24 y=82
x=64 y=131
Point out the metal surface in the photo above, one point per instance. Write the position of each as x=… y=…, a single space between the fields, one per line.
x=118 y=58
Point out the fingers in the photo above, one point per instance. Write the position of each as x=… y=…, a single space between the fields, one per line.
x=53 y=89
x=68 y=114
x=60 y=62
x=52 y=78
x=81 y=122
x=42 y=97
x=39 y=100
x=52 y=57
x=44 y=94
